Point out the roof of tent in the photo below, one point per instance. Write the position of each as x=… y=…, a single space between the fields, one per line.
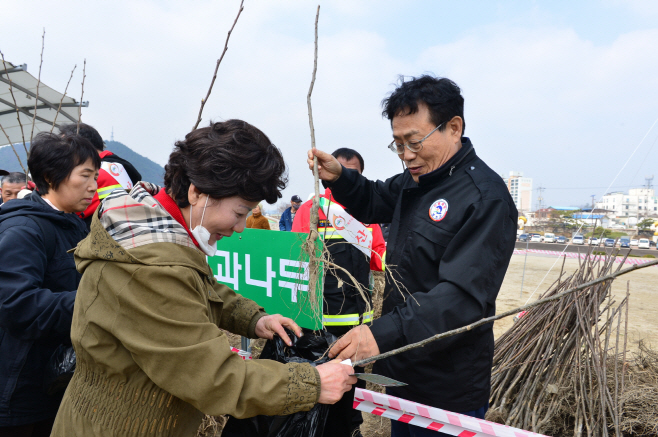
x=18 y=92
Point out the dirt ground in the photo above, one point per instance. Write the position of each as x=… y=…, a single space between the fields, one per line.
x=643 y=307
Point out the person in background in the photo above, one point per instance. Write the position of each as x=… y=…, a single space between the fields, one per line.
x=343 y=305
x=11 y=185
x=285 y=224
x=38 y=279
x=149 y=318
x=257 y=220
x=115 y=172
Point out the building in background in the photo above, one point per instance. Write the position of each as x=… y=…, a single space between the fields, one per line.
x=521 y=190
x=639 y=203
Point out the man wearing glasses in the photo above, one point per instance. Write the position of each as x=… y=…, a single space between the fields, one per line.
x=453 y=227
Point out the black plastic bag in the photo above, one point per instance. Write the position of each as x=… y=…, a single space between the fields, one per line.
x=59 y=370
x=307 y=349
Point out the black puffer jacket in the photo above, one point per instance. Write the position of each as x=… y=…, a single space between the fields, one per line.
x=452 y=260
x=36 y=303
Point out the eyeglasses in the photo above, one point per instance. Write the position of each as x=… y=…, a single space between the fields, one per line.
x=414 y=146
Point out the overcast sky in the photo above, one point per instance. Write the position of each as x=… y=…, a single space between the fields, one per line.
x=563 y=91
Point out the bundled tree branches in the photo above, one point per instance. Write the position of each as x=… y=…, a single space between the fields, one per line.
x=559 y=369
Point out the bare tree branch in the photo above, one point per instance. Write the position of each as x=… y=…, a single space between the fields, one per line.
x=84 y=75
x=502 y=315
x=219 y=61
x=36 y=99
x=310 y=246
x=316 y=199
x=59 y=108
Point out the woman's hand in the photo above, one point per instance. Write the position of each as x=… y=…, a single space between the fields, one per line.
x=335 y=380
x=329 y=169
x=267 y=326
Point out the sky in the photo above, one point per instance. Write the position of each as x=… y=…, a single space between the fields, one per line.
x=565 y=92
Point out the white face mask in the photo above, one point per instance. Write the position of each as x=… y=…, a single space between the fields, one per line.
x=202 y=235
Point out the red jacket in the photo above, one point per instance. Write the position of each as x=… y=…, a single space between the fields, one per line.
x=343 y=305
x=302 y=224
x=107 y=183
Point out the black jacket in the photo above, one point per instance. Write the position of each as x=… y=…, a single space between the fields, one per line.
x=342 y=297
x=36 y=303
x=453 y=268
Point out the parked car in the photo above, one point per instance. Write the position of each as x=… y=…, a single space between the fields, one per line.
x=578 y=239
x=549 y=238
x=643 y=243
x=625 y=242
x=536 y=238
x=609 y=242
x=562 y=240
x=524 y=237
x=594 y=241
x=634 y=242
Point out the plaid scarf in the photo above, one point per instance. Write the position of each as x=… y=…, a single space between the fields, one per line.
x=137 y=218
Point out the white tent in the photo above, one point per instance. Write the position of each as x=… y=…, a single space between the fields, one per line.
x=16 y=79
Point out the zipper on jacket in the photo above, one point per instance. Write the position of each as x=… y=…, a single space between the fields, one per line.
x=458 y=162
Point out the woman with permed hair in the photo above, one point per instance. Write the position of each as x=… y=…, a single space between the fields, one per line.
x=151 y=357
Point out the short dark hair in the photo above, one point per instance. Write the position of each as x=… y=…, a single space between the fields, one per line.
x=441 y=95
x=348 y=154
x=16 y=177
x=225 y=159
x=86 y=131
x=53 y=158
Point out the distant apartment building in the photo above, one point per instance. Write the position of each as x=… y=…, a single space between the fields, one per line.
x=521 y=190
x=639 y=202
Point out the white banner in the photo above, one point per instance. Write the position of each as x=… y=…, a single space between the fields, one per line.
x=349 y=228
x=119 y=173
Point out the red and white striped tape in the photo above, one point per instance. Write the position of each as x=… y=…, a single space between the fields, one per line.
x=579 y=255
x=432 y=418
x=244 y=354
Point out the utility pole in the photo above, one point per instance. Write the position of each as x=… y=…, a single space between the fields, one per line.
x=525 y=261
x=112 y=134
x=649 y=181
x=591 y=214
x=540 y=198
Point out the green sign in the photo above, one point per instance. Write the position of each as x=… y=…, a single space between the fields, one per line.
x=269 y=268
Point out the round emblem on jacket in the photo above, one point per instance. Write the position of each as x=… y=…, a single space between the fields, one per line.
x=114 y=169
x=438 y=210
x=339 y=223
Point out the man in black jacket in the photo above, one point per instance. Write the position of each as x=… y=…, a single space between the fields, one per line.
x=453 y=227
